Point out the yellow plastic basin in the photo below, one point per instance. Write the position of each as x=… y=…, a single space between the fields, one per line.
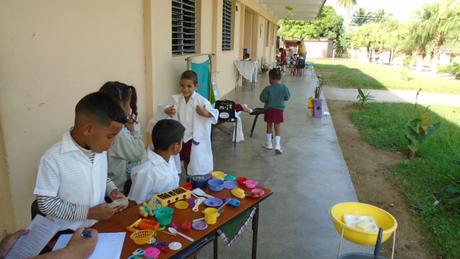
x=218 y=175
x=383 y=219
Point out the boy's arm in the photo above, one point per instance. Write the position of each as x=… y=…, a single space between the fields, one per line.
x=59 y=208
x=128 y=146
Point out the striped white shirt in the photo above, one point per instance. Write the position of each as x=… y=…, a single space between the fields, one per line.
x=69 y=182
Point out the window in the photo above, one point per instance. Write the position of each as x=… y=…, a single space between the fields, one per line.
x=227 y=24
x=183 y=27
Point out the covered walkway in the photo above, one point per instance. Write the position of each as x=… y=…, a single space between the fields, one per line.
x=307 y=179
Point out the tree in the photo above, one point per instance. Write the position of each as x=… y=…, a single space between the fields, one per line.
x=361 y=16
x=326 y=25
x=346 y=3
x=436 y=23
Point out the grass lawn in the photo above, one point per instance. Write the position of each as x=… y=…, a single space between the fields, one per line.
x=424 y=178
x=351 y=74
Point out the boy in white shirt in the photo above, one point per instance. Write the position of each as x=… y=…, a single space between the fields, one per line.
x=72 y=175
x=159 y=173
x=197 y=115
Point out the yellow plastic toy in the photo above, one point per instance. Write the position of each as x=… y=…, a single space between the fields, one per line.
x=218 y=175
x=383 y=219
x=172 y=196
x=143 y=237
x=239 y=193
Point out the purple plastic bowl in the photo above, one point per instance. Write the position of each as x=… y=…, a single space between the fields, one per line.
x=199 y=181
x=216 y=185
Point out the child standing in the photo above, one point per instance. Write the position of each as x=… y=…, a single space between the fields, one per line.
x=129 y=147
x=274 y=96
x=72 y=175
x=159 y=173
x=197 y=115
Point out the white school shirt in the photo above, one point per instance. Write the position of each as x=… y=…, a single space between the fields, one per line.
x=66 y=172
x=186 y=114
x=152 y=177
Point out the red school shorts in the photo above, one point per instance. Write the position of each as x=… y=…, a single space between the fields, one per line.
x=185 y=152
x=273 y=116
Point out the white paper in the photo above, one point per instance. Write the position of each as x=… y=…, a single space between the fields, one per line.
x=109 y=245
x=366 y=223
x=41 y=230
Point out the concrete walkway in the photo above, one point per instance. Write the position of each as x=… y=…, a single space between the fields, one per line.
x=398 y=96
x=307 y=179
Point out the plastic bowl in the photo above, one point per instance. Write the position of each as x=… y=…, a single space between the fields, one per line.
x=241 y=180
x=239 y=193
x=218 y=175
x=229 y=178
x=383 y=219
x=199 y=181
x=250 y=183
x=216 y=185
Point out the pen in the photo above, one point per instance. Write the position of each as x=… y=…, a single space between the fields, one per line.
x=86 y=234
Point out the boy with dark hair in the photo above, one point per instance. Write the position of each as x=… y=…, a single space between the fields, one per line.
x=197 y=115
x=159 y=173
x=72 y=175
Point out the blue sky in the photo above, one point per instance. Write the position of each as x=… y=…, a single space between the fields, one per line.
x=401 y=9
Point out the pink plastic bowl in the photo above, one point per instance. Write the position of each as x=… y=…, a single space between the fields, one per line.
x=250 y=183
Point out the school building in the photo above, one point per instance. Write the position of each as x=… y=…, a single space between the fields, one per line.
x=53 y=52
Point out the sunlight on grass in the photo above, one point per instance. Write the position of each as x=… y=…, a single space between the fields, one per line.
x=425 y=179
x=351 y=74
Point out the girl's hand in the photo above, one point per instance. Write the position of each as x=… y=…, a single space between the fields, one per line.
x=170 y=111
x=202 y=111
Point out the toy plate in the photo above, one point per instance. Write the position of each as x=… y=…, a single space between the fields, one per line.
x=199 y=225
x=213 y=202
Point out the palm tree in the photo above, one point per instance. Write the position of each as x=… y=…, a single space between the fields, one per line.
x=435 y=22
x=346 y=3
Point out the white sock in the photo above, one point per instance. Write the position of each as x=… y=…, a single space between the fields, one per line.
x=268 y=141
x=277 y=142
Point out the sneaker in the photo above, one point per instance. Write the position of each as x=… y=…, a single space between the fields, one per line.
x=267 y=147
x=278 y=151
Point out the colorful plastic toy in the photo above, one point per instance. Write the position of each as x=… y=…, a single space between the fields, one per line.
x=230 y=178
x=233 y=202
x=241 y=180
x=182 y=205
x=141 y=224
x=239 y=193
x=257 y=193
x=147 y=208
x=250 y=184
x=164 y=215
x=143 y=237
x=210 y=216
x=216 y=185
x=218 y=175
x=186 y=226
x=152 y=252
x=200 y=181
x=172 y=196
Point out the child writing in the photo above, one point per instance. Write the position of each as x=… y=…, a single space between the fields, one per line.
x=197 y=115
x=274 y=96
x=72 y=175
x=159 y=173
x=128 y=148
